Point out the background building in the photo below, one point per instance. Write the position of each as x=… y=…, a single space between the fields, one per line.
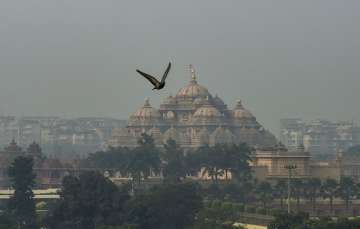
x=320 y=137
x=58 y=136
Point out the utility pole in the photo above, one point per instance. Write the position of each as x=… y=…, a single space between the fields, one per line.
x=290 y=169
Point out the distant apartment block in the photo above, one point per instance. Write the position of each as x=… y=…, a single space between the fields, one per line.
x=320 y=137
x=81 y=135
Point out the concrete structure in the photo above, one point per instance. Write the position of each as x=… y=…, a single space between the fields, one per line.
x=271 y=163
x=320 y=137
x=57 y=135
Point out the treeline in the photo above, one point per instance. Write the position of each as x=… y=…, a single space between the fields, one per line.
x=92 y=201
x=309 y=190
x=303 y=221
x=172 y=162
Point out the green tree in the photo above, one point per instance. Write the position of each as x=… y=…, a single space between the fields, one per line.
x=167 y=206
x=290 y=221
x=302 y=221
x=215 y=218
x=354 y=150
x=328 y=191
x=34 y=150
x=298 y=191
x=280 y=191
x=6 y=222
x=113 y=158
x=347 y=190
x=264 y=192
x=21 y=206
x=313 y=187
x=235 y=159
x=212 y=161
x=144 y=159
x=88 y=202
x=174 y=169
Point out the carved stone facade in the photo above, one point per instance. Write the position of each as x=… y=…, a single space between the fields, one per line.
x=272 y=162
x=194 y=117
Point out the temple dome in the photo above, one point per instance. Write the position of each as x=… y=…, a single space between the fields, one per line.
x=207 y=111
x=170 y=100
x=171 y=133
x=204 y=137
x=199 y=101
x=217 y=101
x=170 y=115
x=221 y=136
x=240 y=112
x=193 y=90
x=155 y=133
x=146 y=112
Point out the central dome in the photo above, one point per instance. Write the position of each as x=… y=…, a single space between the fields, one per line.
x=193 y=90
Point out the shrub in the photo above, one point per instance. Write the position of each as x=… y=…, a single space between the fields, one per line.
x=250 y=209
x=239 y=207
x=275 y=212
x=227 y=206
x=261 y=211
x=216 y=204
x=207 y=204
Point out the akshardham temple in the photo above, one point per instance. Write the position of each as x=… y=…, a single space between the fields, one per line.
x=193 y=118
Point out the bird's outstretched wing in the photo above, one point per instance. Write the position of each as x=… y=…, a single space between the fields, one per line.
x=152 y=79
x=166 y=73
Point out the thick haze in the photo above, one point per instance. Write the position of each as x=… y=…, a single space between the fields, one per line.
x=282 y=58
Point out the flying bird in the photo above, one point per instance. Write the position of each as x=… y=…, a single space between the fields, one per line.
x=158 y=85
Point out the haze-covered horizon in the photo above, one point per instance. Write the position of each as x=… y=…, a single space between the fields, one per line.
x=282 y=58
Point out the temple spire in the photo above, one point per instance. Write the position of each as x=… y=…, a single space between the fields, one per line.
x=147 y=102
x=193 y=74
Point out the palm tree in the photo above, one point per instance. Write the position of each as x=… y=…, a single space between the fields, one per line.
x=174 y=162
x=280 y=191
x=265 y=192
x=212 y=162
x=144 y=159
x=313 y=186
x=298 y=191
x=328 y=191
x=347 y=190
x=238 y=158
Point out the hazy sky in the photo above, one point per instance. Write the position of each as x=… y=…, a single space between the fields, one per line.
x=282 y=58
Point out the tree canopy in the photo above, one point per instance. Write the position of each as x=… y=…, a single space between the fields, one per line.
x=21 y=206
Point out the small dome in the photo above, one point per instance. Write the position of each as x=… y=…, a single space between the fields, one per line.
x=207 y=111
x=217 y=101
x=146 y=112
x=199 y=101
x=241 y=113
x=204 y=136
x=170 y=115
x=222 y=136
x=155 y=133
x=171 y=133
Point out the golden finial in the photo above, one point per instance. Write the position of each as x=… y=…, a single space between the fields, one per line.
x=147 y=102
x=193 y=75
